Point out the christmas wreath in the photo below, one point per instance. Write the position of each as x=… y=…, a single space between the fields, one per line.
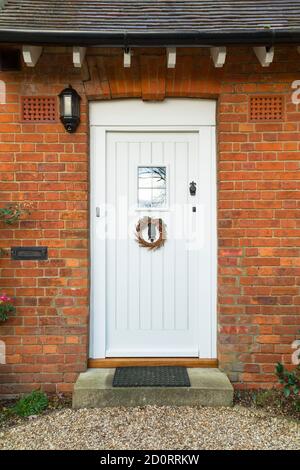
x=154 y=227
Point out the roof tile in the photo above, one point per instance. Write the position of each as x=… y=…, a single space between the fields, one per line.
x=150 y=15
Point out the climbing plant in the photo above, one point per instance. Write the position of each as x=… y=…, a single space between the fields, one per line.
x=290 y=379
x=11 y=213
x=6 y=307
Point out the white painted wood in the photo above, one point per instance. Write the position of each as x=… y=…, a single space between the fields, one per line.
x=151 y=335
x=212 y=221
x=156 y=321
x=170 y=247
x=145 y=284
x=194 y=227
x=170 y=112
x=207 y=250
x=171 y=57
x=121 y=243
x=183 y=156
x=264 y=54
x=133 y=254
x=78 y=56
x=218 y=55
x=127 y=58
x=157 y=259
x=98 y=244
x=31 y=55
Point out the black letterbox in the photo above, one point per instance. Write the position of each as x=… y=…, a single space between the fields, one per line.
x=29 y=252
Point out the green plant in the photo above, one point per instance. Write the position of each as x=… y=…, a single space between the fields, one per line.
x=291 y=383
x=6 y=307
x=289 y=379
x=263 y=398
x=32 y=404
x=3 y=252
x=11 y=213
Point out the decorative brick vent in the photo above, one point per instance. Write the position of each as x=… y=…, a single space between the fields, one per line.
x=266 y=108
x=39 y=108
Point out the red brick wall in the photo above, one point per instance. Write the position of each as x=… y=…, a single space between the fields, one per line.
x=258 y=210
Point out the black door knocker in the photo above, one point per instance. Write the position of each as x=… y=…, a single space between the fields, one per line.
x=151 y=230
x=193 y=188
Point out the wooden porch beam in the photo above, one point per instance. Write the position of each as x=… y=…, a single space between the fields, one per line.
x=264 y=54
x=31 y=55
x=127 y=57
x=78 y=56
x=218 y=55
x=171 y=57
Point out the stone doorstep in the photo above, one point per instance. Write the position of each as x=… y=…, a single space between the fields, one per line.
x=209 y=387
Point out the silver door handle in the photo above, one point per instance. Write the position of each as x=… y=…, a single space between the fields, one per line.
x=97 y=211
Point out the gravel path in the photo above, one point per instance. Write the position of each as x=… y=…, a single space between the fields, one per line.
x=154 y=428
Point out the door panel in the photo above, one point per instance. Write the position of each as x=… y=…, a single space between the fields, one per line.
x=153 y=297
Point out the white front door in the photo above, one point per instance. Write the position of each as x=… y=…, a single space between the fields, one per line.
x=158 y=303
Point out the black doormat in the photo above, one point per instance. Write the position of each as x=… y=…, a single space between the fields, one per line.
x=158 y=376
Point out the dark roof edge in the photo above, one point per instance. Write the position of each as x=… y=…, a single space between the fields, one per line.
x=267 y=37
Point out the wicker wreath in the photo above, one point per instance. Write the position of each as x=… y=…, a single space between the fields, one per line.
x=152 y=225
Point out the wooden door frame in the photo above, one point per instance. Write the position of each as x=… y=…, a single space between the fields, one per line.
x=112 y=362
x=98 y=137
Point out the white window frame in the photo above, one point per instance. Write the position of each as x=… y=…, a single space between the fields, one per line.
x=154 y=209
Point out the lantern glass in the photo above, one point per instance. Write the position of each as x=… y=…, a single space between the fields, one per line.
x=76 y=105
x=70 y=109
x=67 y=111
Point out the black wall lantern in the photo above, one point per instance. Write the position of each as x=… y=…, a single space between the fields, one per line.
x=70 y=109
